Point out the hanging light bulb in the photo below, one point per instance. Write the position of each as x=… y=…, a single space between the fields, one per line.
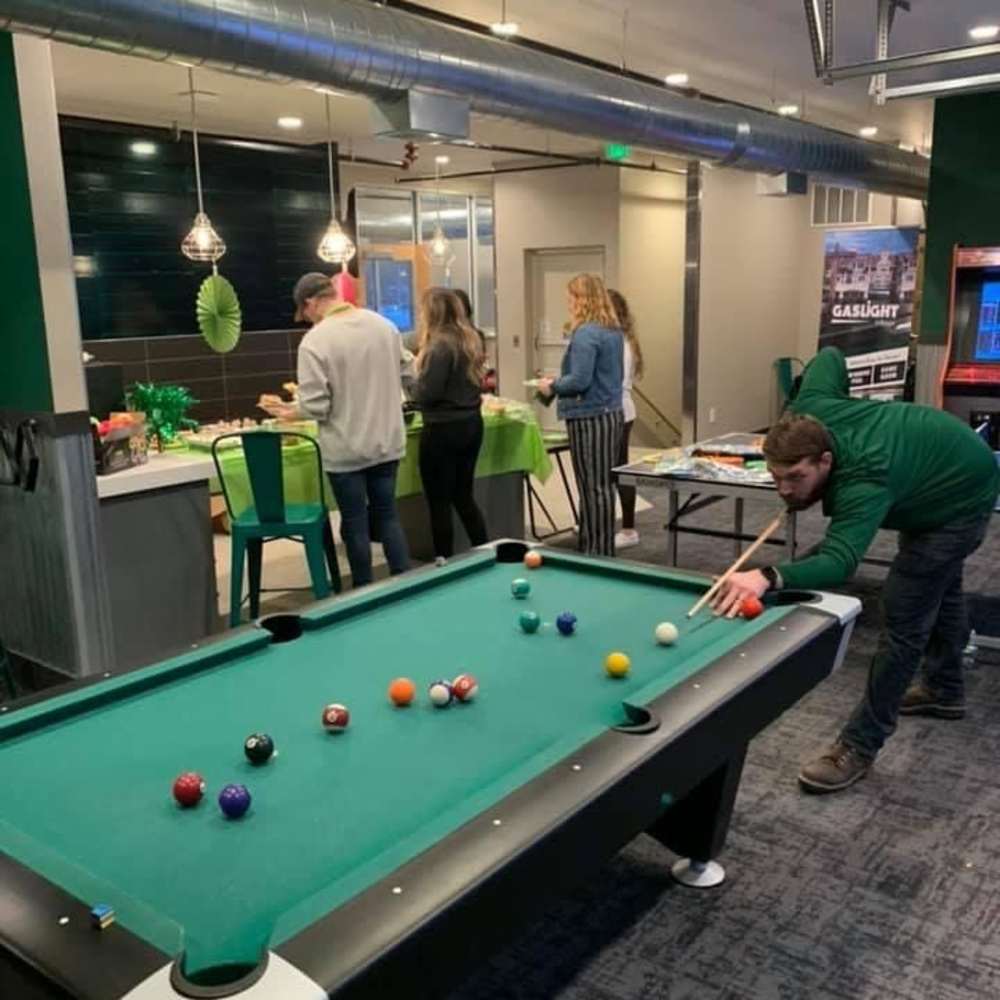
x=439 y=247
x=336 y=247
x=203 y=243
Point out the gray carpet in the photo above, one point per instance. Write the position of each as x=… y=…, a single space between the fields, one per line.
x=890 y=890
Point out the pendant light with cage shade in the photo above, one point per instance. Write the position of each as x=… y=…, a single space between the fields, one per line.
x=203 y=243
x=336 y=247
x=438 y=248
x=217 y=308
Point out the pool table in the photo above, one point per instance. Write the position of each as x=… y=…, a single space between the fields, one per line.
x=383 y=860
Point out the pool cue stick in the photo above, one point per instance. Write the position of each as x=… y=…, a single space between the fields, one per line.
x=711 y=592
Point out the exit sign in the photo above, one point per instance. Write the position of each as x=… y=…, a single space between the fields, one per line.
x=617 y=151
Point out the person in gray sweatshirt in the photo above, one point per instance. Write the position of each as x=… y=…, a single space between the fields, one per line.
x=350 y=366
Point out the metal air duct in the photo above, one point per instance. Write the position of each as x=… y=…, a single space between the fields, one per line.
x=380 y=51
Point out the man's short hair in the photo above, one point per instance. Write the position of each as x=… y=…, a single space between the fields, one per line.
x=795 y=437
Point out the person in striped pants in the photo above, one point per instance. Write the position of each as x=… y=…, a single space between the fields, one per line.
x=589 y=391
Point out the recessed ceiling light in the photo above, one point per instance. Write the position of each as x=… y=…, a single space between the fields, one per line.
x=290 y=122
x=788 y=110
x=442 y=160
x=868 y=132
x=143 y=148
x=676 y=79
x=505 y=29
x=984 y=32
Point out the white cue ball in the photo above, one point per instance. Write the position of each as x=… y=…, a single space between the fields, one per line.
x=666 y=633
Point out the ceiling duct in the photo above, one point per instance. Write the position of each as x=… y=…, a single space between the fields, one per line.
x=383 y=52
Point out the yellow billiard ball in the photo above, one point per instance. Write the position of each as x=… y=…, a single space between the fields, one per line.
x=617 y=664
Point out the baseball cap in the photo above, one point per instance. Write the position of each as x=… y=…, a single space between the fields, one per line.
x=308 y=287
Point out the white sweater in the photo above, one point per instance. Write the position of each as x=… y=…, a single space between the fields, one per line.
x=628 y=403
x=349 y=375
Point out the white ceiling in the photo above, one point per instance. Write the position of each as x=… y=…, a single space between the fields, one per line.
x=755 y=51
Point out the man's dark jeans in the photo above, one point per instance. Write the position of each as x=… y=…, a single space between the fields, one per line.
x=924 y=616
x=355 y=493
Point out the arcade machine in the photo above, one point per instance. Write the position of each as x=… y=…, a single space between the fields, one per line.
x=971 y=380
x=971 y=385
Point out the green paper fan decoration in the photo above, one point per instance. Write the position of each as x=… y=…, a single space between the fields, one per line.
x=219 y=315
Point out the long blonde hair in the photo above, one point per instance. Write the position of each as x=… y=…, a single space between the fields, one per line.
x=589 y=302
x=626 y=323
x=443 y=319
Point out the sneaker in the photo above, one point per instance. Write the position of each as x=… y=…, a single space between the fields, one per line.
x=920 y=700
x=835 y=770
x=627 y=538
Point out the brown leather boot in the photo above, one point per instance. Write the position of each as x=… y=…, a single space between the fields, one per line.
x=920 y=700
x=835 y=770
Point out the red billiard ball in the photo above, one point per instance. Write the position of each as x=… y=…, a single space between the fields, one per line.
x=189 y=787
x=465 y=687
x=335 y=718
x=750 y=607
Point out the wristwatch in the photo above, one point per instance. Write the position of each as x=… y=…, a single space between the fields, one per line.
x=773 y=578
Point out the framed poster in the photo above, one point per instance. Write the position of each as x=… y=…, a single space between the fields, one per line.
x=869 y=282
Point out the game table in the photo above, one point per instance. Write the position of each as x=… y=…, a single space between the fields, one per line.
x=384 y=860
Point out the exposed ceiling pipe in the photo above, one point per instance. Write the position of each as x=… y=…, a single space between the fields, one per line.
x=379 y=51
x=649 y=168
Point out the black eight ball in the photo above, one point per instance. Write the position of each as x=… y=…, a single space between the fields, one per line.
x=259 y=747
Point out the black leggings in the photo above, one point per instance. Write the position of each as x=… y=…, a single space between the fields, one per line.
x=626 y=493
x=448 y=453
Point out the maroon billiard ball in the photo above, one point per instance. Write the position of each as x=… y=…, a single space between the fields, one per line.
x=189 y=787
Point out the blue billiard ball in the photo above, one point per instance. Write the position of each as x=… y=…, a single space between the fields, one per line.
x=566 y=623
x=234 y=800
x=530 y=621
x=520 y=588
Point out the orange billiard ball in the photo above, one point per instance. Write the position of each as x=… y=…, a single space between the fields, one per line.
x=750 y=607
x=402 y=691
x=533 y=559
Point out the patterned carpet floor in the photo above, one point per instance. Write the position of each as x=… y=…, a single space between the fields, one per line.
x=888 y=891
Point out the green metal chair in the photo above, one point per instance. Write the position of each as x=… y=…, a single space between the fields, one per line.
x=269 y=517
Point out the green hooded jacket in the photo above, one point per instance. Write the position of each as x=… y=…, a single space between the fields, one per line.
x=895 y=465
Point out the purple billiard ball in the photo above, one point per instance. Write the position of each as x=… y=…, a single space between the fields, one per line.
x=234 y=800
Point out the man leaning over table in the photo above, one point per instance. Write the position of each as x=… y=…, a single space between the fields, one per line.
x=908 y=468
x=350 y=369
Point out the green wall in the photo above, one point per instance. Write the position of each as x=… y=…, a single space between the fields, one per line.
x=24 y=372
x=964 y=205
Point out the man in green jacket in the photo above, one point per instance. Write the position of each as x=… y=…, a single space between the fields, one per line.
x=911 y=469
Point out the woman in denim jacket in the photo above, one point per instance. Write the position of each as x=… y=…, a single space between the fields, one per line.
x=589 y=391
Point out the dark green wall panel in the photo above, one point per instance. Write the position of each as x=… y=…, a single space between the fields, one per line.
x=24 y=375
x=129 y=213
x=964 y=202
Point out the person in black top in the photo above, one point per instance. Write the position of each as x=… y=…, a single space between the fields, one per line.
x=489 y=381
x=449 y=369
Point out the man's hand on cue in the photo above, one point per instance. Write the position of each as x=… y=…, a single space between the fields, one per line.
x=740 y=585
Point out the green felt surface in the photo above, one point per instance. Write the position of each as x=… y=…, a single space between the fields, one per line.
x=87 y=795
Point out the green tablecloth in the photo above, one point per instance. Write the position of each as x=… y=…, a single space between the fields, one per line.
x=511 y=443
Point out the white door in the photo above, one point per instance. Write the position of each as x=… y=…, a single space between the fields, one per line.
x=548 y=273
